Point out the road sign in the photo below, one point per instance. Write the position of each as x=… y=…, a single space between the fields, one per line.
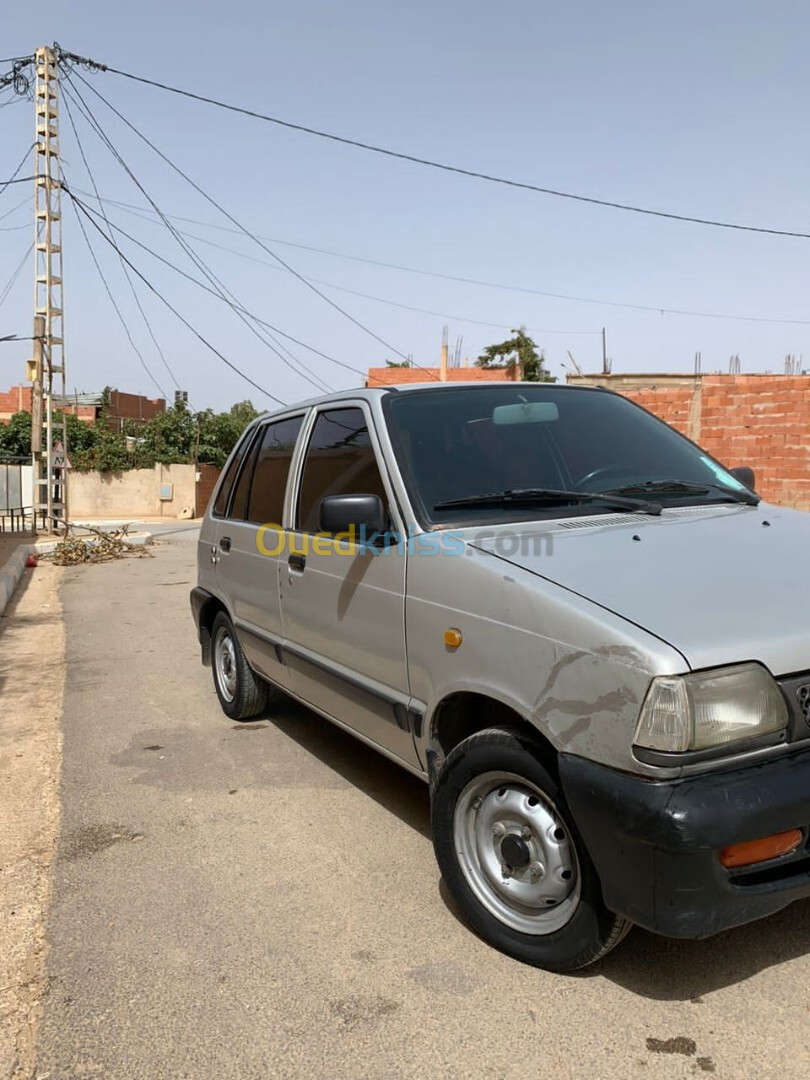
x=59 y=459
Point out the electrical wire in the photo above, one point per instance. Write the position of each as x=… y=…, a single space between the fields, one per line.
x=174 y=310
x=117 y=309
x=242 y=228
x=15 y=274
x=658 y=309
x=212 y=292
x=356 y=292
x=14 y=209
x=293 y=363
x=444 y=166
x=123 y=264
x=13 y=179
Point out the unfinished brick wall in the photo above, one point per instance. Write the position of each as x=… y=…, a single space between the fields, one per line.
x=757 y=420
x=17 y=399
x=399 y=376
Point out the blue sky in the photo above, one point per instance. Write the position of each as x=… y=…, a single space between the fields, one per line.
x=698 y=108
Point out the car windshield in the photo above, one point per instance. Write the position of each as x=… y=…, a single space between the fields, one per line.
x=475 y=453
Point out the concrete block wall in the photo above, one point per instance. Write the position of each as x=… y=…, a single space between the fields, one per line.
x=133 y=494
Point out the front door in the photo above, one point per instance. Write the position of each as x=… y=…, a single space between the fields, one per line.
x=343 y=604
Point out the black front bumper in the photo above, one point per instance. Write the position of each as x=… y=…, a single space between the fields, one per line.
x=656 y=844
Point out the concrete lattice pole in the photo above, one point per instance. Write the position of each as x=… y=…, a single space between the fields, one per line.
x=47 y=369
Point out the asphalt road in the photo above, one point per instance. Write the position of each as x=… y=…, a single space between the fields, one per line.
x=261 y=900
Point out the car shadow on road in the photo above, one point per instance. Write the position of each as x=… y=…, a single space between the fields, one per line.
x=650 y=966
x=666 y=970
x=390 y=785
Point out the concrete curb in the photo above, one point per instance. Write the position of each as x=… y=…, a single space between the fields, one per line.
x=10 y=573
x=13 y=569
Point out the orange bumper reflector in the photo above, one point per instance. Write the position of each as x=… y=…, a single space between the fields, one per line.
x=452 y=638
x=756 y=851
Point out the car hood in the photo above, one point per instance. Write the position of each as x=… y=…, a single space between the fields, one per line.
x=722 y=584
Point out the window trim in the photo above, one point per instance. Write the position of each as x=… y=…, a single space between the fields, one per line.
x=248 y=438
x=304 y=438
x=263 y=426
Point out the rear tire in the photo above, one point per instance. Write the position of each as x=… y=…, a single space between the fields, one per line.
x=241 y=694
x=512 y=859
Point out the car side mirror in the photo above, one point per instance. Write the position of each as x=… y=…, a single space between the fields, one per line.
x=745 y=474
x=339 y=513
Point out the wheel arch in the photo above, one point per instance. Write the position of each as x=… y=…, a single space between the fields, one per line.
x=465 y=712
x=209 y=608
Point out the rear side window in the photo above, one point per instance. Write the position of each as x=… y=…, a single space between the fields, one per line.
x=340 y=461
x=225 y=488
x=266 y=501
x=239 y=499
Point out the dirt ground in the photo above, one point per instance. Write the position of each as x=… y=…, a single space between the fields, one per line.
x=32 y=650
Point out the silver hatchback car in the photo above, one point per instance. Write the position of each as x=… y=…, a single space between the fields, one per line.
x=586 y=634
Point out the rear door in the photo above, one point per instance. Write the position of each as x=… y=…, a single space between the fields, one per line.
x=247 y=556
x=343 y=605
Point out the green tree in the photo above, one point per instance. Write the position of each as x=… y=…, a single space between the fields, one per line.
x=518 y=351
x=15 y=436
x=169 y=437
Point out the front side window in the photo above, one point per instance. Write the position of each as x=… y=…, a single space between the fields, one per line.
x=269 y=483
x=340 y=461
x=465 y=444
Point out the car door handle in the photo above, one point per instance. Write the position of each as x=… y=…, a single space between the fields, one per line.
x=225 y=543
x=297 y=562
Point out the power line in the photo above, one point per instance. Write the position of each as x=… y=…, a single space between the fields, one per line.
x=121 y=318
x=221 y=290
x=213 y=292
x=123 y=265
x=295 y=365
x=239 y=225
x=15 y=274
x=354 y=292
x=658 y=309
x=14 y=209
x=173 y=309
x=442 y=166
x=13 y=178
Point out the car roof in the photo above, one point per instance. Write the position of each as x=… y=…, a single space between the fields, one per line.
x=375 y=393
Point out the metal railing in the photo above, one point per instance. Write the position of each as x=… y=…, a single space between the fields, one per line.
x=17 y=513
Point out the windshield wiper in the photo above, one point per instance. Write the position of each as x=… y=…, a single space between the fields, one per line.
x=530 y=496
x=696 y=487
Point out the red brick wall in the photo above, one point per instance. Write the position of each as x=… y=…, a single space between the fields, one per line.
x=134 y=406
x=757 y=420
x=397 y=376
x=17 y=399
x=122 y=406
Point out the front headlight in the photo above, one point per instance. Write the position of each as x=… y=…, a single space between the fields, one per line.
x=710 y=709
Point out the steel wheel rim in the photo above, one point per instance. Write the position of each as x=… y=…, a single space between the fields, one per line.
x=225 y=664
x=532 y=884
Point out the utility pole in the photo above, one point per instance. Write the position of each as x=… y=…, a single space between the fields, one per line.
x=605 y=368
x=47 y=369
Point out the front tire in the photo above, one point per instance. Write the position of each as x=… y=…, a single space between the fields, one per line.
x=512 y=859
x=241 y=694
